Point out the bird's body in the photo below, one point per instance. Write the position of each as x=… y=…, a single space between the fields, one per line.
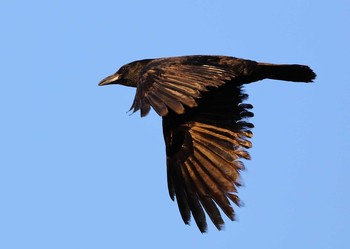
x=205 y=124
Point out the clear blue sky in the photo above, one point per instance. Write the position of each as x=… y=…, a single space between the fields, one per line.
x=76 y=171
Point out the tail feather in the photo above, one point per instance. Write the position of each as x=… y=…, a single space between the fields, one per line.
x=296 y=73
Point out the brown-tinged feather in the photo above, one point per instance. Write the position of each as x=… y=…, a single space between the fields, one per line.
x=193 y=92
x=158 y=105
x=169 y=100
x=213 y=191
x=183 y=98
x=192 y=197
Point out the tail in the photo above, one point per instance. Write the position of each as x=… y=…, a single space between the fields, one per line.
x=296 y=73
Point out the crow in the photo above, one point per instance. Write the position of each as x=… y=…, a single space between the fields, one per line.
x=205 y=123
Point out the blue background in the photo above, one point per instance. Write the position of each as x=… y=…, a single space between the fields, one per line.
x=76 y=171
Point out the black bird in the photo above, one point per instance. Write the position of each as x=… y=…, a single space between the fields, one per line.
x=205 y=126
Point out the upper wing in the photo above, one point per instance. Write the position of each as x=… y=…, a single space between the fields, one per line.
x=204 y=146
x=175 y=82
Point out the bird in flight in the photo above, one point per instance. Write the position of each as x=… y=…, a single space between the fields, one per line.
x=204 y=115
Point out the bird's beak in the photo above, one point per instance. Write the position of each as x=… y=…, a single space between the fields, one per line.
x=110 y=79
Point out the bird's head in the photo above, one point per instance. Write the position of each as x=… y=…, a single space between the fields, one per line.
x=127 y=75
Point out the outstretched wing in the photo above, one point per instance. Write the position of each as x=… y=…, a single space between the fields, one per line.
x=204 y=147
x=174 y=83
